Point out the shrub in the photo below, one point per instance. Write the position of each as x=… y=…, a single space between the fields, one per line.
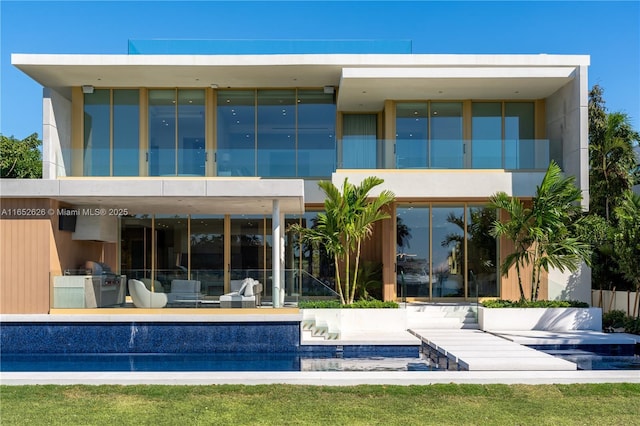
x=632 y=325
x=614 y=319
x=335 y=304
x=534 y=304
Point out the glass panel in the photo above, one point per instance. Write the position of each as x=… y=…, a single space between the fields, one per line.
x=126 y=131
x=172 y=248
x=447 y=149
x=276 y=133
x=482 y=261
x=236 y=133
x=97 y=133
x=162 y=132
x=519 y=129
x=359 y=141
x=448 y=251
x=316 y=133
x=411 y=135
x=486 y=135
x=207 y=253
x=318 y=275
x=412 y=251
x=135 y=249
x=191 y=134
x=247 y=246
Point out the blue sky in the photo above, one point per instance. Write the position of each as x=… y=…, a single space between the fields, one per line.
x=608 y=31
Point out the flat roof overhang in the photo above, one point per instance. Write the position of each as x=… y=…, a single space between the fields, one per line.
x=364 y=81
x=179 y=195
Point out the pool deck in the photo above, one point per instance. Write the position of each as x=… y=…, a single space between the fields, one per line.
x=446 y=338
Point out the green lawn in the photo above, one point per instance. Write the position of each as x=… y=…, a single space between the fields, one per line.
x=592 y=404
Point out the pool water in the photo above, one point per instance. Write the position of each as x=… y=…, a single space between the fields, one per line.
x=593 y=361
x=207 y=362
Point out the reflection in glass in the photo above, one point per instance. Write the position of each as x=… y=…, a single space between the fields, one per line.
x=207 y=253
x=97 y=133
x=317 y=264
x=448 y=251
x=411 y=135
x=446 y=147
x=236 y=133
x=191 y=133
x=486 y=135
x=412 y=251
x=359 y=141
x=316 y=152
x=483 y=253
x=162 y=133
x=519 y=130
x=126 y=125
x=172 y=248
x=135 y=248
x=248 y=247
x=276 y=133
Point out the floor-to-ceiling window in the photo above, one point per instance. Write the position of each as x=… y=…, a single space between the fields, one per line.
x=521 y=149
x=316 y=133
x=359 y=141
x=207 y=253
x=413 y=251
x=486 y=135
x=412 y=135
x=275 y=133
x=176 y=132
x=445 y=251
x=111 y=132
x=446 y=140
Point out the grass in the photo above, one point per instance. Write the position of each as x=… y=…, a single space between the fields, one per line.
x=451 y=404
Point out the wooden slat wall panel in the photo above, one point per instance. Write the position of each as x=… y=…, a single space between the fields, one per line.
x=24 y=248
x=33 y=250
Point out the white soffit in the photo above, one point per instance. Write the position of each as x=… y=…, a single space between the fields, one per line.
x=368 y=88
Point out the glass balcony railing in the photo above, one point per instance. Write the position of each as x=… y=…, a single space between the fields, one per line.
x=172 y=288
x=351 y=153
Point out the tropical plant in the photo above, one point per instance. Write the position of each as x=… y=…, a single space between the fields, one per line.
x=626 y=238
x=346 y=222
x=543 y=235
x=613 y=172
x=20 y=158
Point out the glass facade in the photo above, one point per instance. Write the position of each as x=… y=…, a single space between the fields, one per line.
x=445 y=251
x=177 y=133
x=292 y=133
x=275 y=133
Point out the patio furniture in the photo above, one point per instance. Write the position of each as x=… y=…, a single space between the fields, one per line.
x=143 y=298
x=184 y=291
x=248 y=296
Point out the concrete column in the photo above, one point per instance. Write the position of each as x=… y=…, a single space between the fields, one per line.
x=276 y=255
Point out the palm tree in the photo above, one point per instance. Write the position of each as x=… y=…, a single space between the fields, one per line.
x=347 y=221
x=543 y=235
x=612 y=162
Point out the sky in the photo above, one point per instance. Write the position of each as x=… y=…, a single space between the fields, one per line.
x=608 y=31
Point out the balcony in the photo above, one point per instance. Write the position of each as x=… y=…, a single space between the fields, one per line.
x=347 y=153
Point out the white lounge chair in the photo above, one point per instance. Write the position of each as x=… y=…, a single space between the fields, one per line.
x=248 y=296
x=143 y=298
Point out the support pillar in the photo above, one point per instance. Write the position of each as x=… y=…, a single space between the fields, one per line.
x=275 y=255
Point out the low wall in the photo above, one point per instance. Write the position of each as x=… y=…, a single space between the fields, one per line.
x=356 y=321
x=550 y=319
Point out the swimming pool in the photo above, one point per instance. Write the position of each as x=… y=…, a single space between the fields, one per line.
x=586 y=360
x=210 y=362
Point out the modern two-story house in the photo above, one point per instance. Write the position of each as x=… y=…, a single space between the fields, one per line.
x=188 y=160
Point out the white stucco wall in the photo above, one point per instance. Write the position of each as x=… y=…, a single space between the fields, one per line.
x=568 y=131
x=56 y=134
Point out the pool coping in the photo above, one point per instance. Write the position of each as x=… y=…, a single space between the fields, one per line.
x=321 y=378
